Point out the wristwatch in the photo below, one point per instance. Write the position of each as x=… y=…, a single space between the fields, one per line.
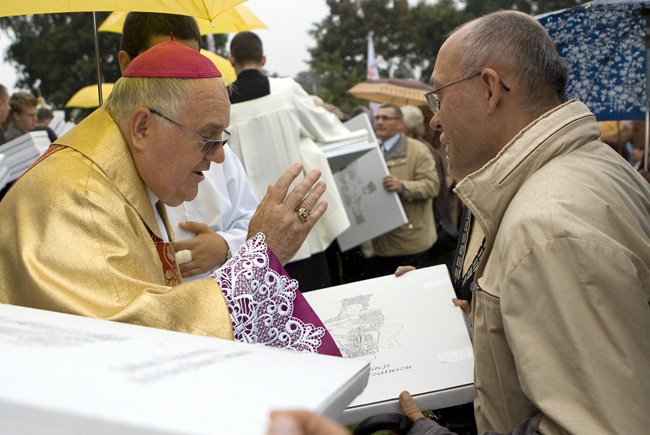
x=228 y=255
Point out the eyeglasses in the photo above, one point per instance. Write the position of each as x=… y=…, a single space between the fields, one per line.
x=434 y=102
x=386 y=118
x=208 y=143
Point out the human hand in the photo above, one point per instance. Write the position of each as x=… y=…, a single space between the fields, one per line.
x=393 y=184
x=466 y=307
x=401 y=270
x=208 y=249
x=421 y=424
x=409 y=407
x=276 y=215
x=303 y=423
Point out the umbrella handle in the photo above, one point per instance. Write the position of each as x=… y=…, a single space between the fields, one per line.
x=99 y=73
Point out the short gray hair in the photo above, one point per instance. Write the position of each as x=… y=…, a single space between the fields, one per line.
x=414 y=120
x=520 y=43
x=169 y=95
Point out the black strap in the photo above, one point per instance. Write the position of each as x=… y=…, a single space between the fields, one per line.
x=461 y=282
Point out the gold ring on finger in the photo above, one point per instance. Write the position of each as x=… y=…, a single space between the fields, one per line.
x=303 y=214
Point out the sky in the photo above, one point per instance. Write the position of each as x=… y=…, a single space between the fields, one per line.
x=285 y=41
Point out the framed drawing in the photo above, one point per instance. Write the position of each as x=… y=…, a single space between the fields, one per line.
x=411 y=333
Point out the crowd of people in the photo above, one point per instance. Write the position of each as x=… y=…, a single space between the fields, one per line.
x=147 y=215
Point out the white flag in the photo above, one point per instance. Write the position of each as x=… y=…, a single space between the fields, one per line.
x=372 y=72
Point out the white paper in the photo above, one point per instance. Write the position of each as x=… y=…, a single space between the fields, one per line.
x=68 y=374
x=411 y=333
x=345 y=151
x=21 y=152
x=59 y=125
x=362 y=122
x=4 y=171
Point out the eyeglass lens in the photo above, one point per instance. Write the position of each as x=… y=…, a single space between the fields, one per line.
x=433 y=102
x=209 y=144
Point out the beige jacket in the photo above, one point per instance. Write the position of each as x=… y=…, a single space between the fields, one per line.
x=412 y=162
x=561 y=315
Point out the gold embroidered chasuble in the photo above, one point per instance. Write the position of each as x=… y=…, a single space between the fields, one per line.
x=82 y=243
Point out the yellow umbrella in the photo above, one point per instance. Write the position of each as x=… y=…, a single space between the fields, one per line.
x=234 y=20
x=223 y=64
x=87 y=97
x=207 y=9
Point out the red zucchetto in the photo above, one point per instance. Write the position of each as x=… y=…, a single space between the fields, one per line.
x=172 y=59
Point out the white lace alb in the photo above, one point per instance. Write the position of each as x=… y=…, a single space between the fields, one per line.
x=261 y=301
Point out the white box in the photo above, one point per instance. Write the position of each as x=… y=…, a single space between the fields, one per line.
x=411 y=333
x=62 y=374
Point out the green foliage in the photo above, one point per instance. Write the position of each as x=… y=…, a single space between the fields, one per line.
x=476 y=8
x=432 y=24
x=59 y=50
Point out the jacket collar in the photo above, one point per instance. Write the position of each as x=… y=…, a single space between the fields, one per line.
x=488 y=191
x=399 y=149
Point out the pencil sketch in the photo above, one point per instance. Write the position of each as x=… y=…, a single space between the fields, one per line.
x=352 y=190
x=359 y=331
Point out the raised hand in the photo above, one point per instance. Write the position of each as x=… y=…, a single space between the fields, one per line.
x=286 y=218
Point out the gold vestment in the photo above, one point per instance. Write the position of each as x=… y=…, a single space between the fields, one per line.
x=75 y=232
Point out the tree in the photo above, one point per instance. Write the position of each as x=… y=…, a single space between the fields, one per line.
x=476 y=8
x=339 y=58
x=430 y=28
x=59 y=50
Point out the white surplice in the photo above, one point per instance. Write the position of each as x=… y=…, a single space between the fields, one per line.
x=271 y=133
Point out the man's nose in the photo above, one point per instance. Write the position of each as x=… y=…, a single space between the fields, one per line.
x=435 y=123
x=216 y=154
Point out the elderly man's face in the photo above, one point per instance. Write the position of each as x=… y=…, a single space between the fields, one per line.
x=462 y=117
x=387 y=124
x=172 y=163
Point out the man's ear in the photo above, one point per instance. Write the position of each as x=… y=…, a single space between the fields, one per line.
x=232 y=61
x=263 y=62
x=139 y=128
x=124 y=60
x=494 y=92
